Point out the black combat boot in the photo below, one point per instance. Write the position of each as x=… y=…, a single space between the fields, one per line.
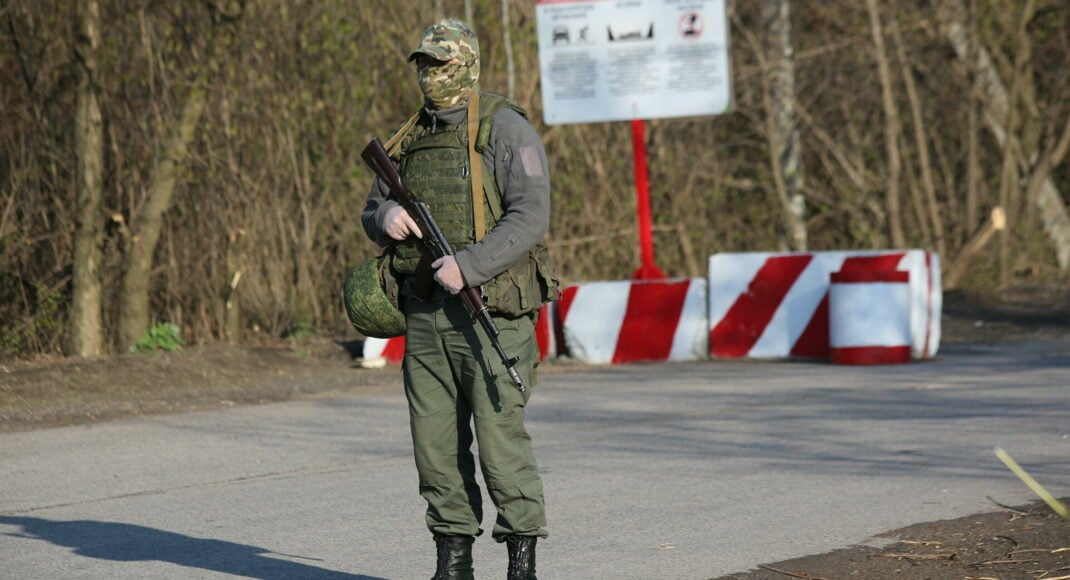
x=521 y=557
x=454 y=558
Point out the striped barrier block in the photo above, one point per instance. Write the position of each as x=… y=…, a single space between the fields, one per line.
x=547 y=333
x=380 y=351
x=634 y=320
x=869 y=317
x=775 y=305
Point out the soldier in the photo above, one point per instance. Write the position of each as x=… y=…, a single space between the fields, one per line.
x=476 y=161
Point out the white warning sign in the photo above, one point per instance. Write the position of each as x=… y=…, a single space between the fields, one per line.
x=619 y=60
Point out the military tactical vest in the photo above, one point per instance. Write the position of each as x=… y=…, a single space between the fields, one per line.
x=434 y=164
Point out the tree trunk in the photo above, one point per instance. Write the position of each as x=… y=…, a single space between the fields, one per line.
x=956 y=271
x=783 y=129
x=1049 y=160
x=973 y=166
x=996 y=104
x=134 y=310
x=510 y=66
x=134 y=315
x=921 y=142
x=891 y=129
x=86 y=324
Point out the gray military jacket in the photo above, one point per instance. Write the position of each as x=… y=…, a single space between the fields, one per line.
x=521 y=171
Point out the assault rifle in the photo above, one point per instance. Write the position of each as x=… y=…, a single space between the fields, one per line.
x=436 y=246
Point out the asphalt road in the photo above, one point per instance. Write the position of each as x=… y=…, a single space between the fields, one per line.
x=684 y=471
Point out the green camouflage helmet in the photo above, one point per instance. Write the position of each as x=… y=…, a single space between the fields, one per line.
x=368 y=306
x=448 y=39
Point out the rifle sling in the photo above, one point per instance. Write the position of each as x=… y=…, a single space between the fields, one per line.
x=393 y=145
x=475 y=160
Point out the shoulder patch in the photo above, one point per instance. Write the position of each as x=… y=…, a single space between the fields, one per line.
x=531 y=158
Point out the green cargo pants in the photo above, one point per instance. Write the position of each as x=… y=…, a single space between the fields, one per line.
x=454 y=379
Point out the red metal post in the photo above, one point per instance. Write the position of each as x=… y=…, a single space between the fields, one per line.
x=647 y=270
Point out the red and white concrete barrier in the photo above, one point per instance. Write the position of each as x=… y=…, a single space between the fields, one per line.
x=379 y=351
x=547 y=331
x=775 y=305
x=869 y=317
x=635 y=320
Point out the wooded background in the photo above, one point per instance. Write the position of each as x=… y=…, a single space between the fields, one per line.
x=197 y=162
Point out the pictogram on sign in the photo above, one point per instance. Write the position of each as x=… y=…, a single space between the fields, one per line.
x=692 y=26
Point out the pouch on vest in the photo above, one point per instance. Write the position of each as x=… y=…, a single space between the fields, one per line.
x=525 y=286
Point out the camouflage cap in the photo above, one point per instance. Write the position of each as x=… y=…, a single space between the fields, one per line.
x=448 y=39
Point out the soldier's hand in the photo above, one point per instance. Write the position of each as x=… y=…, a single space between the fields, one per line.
x=448 y=274
x=399 y=224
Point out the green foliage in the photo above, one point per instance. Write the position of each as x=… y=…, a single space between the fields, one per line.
x=164 y=336
x=298 y=335
x=300 y=330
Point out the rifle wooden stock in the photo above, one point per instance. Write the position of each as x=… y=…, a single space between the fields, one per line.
x=437 y=246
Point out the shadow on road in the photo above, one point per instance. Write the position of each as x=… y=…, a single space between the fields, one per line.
x=131 y=543
x=897 y=421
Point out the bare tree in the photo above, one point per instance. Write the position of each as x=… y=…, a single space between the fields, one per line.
x=973 y=128
x=891 y=128
x=86 y=337
x=997 y=104
x=778 y=99
x=507 y=40
x=784 y=147
x=921 y=142
x=134 y=310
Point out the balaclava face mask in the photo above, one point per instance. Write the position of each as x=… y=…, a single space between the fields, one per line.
x=452 y=71
x=445 y=85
